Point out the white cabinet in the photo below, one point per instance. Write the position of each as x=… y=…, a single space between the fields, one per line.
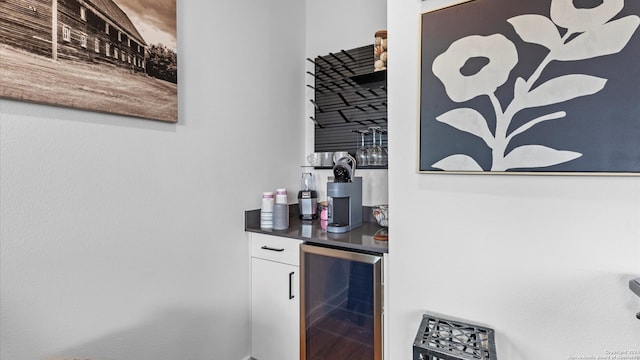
x=275 y=298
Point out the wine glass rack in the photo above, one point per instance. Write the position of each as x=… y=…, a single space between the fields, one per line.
x=348 y=96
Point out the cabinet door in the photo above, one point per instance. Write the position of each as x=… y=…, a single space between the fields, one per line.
x=275 y=308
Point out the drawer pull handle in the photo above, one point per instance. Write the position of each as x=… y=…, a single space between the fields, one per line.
x=271 y=249
x=291 y=286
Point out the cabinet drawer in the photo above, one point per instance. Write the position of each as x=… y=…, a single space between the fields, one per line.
x=275 y=248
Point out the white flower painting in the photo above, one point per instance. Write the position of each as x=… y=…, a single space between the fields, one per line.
x=483 y=68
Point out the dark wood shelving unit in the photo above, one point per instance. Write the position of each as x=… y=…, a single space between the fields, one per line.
x=368 y=167
x=376 y=78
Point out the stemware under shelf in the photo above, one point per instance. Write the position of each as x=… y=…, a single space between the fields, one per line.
x=374 y=152
x=361 y=153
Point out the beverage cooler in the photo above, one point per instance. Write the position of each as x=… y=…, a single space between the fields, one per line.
x=341 y=304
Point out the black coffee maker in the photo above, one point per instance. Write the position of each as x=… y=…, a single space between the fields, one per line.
x=344 y=197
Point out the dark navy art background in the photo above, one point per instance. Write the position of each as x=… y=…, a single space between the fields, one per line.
x=604 y=127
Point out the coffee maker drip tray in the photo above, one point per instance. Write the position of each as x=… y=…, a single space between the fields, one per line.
x=338 y=228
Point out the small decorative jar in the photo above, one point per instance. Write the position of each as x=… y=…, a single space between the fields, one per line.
x=380 y=51
x=324 y=210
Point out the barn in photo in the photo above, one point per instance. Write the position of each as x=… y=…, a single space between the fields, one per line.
x=96 y=31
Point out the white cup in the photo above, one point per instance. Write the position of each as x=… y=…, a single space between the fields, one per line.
x=339 y=155
x=314 y=159
x=326 y=159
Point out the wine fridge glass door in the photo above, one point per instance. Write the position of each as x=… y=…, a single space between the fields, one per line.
x=341 y=304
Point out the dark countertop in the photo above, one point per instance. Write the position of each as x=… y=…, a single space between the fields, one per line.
x=360 y=239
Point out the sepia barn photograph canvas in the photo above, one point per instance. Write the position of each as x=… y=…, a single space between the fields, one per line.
x=113 y=56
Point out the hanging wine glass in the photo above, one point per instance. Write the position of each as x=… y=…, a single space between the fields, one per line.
x=361 y=153
x=374 y=152
x=385 y=153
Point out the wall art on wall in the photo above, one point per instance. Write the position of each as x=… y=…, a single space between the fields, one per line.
x=115 y=56
x=547 y=86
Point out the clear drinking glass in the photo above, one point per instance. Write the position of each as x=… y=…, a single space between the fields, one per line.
x=374 y=152
x=361 y=153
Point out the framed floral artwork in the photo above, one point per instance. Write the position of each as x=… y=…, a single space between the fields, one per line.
x=533 y=87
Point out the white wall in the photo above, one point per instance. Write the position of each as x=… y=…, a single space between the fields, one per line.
x=123 y=238
x=543 y=260
x=331 y=26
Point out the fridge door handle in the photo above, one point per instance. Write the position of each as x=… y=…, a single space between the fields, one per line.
x=291 y=296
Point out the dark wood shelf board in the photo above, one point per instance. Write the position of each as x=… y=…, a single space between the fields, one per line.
x=375 y=78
